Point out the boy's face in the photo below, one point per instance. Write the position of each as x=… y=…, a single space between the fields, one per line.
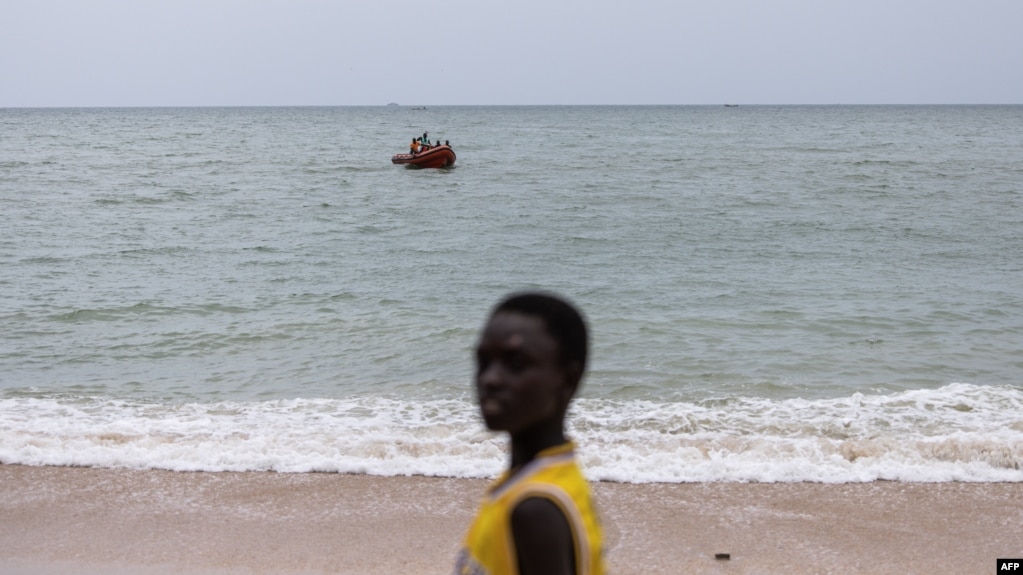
x=520 y=380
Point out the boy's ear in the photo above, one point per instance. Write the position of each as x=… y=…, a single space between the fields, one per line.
x=573 y=376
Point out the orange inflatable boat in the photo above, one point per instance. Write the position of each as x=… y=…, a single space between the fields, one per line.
x=435 y=157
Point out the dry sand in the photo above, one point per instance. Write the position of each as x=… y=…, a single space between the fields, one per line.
x=120 y=522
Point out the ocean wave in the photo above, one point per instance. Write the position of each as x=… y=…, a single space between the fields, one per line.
x=959 y=432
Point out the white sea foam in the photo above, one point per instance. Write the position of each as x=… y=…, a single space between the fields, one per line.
x=956 y=433
x=959 y=432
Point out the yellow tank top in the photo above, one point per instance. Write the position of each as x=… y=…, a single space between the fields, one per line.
x=489 y=548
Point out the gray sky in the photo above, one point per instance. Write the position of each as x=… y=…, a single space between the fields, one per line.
x=435 y=52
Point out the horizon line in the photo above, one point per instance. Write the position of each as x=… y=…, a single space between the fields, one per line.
x=422 y=107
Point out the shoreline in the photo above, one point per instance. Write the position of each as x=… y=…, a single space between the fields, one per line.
x=95 y=520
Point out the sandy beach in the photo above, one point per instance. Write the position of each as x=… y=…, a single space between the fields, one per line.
x=84 y=520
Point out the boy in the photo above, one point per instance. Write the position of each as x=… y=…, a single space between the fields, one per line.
x=538 y=517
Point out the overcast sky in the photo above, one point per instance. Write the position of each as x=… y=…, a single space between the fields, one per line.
x=436 y=52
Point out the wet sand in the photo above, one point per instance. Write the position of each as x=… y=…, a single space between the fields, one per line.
x=91 y=521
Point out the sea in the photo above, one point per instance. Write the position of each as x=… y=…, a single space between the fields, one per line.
x=775 y=293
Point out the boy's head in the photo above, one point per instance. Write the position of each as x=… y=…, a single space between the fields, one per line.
x=562 y=320
x=529 y=362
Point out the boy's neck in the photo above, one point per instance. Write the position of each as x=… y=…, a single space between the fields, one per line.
x=526 y=445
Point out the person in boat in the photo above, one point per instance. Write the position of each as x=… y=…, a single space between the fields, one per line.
x=414 y=147
x=538 y=517
x=426 y=140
